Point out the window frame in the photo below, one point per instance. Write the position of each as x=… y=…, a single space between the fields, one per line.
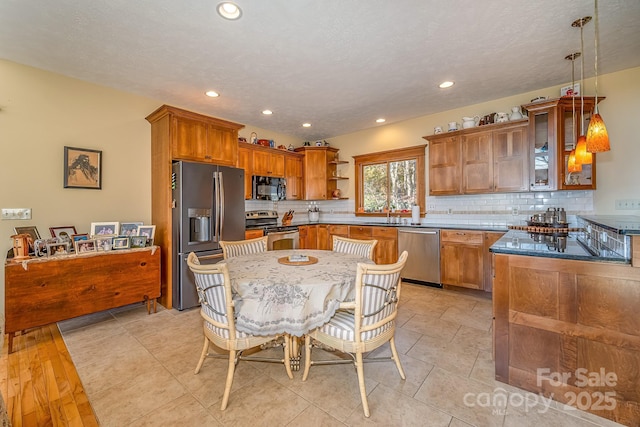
x=416 y=153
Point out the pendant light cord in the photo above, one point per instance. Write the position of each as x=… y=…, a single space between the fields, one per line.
x=595 y=23
x=581 y=79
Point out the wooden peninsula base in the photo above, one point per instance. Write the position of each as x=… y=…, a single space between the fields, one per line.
x=570 y=330
x=40 y=291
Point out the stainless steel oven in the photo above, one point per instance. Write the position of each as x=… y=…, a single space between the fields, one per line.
x=286 y=239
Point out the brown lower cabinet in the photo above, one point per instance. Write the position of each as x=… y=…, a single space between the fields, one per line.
x=320 y=237
x=253 y=234
x=570 y=330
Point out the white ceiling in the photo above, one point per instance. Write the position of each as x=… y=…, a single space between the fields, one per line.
x=334 y=63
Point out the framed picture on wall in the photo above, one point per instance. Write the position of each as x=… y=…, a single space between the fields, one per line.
x=82 y=168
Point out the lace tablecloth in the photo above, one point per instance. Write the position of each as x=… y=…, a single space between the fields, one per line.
x=272 y=298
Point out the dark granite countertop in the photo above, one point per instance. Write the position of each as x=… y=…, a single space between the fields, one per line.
x=621 y=224
x=523 y=243
x=500 y=228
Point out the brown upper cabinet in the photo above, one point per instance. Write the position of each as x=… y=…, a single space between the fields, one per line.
x=266 y=161
x=488 y=159
x=319 y=169
x=196 y=137
x=554 y=126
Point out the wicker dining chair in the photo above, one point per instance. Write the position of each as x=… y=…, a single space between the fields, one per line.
x=363 y=248
x=243 y=247
x=370 y=324
x=217 y=310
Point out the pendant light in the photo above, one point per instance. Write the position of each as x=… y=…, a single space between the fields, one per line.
x=583 y=157
x=571 y=162
x=597 y=136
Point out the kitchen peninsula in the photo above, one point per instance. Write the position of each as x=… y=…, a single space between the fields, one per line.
x=566 y=317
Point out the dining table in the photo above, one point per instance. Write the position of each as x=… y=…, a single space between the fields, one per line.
x=276 y=295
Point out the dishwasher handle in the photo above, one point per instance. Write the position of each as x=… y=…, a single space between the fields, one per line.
x=418 y=232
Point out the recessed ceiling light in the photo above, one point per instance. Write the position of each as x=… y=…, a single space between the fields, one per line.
x=229 y=10
x=306 y=125
x=381 y=120
x=212 y=93
x=267 y=112
x=445 y=85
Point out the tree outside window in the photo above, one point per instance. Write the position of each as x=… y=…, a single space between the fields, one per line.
x=390 y=181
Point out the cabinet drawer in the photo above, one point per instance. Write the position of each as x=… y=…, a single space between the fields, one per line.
x=462 y=236
x=385 y=232
x=358 y=232
x=342 y=230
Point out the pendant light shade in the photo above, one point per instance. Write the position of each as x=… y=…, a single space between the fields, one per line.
x=583 y=157
x=597 y=135
x=571 y=165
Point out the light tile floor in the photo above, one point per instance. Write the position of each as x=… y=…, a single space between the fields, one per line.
x=137 y=370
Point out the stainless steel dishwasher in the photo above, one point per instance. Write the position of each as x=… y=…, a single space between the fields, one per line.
x=423 y=263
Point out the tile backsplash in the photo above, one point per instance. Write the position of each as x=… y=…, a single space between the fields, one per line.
x=487 y=209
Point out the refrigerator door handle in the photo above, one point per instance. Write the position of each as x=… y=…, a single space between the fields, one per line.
x=216 y=211
x=221 y=203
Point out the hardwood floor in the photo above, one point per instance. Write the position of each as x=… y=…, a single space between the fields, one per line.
x=39 y=383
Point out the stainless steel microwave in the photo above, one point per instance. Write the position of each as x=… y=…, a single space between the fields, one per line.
x=268 y=188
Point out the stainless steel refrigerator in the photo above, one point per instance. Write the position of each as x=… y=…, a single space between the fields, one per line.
x=208 y=207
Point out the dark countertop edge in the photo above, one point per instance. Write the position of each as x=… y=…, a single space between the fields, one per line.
x=612 y=222
x=497 y=228
x=557 y=255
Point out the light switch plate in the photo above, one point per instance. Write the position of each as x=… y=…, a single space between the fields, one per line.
x=16 y=213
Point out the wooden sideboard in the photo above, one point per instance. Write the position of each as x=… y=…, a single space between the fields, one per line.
x=40 y=291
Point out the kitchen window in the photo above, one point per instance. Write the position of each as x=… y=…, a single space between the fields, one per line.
x=390 y=181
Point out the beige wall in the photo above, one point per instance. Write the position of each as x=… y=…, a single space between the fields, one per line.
x=41 y=112
x=618 y=173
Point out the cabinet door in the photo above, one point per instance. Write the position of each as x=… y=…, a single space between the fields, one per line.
x=444 y=166
x=253 y=234
x=308 y=237
x=324 y=239
x=461 y=258
x=477 y=164
x=276 y=164
x=315 y=175
x=245 y=161
x=511 y=161
x=542 y=147
x=386 y=251
x=222 y=146
x=293 y=174
x=359 y=232
x=261 y=163
x=190 y=140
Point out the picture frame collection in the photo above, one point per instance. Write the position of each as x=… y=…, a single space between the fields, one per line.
x=103 y=236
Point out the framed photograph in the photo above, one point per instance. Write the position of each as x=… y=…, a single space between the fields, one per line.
x=84 y=246
x=120 y=243
x=129 y=228
x=40 y=246
x=63 y=234
x=82 y=168
x=104 y=243
x=32 y=231
x=57 y=249
x=147 y=230
x=105 y=228
x=138 y=241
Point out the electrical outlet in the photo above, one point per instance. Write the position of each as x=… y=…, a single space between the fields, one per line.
x=16 y=213
x=628 y=204
x=449 y=211
x=431 y=206
x=514 y=211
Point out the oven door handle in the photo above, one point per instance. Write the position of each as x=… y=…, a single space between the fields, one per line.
x=280 y=233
